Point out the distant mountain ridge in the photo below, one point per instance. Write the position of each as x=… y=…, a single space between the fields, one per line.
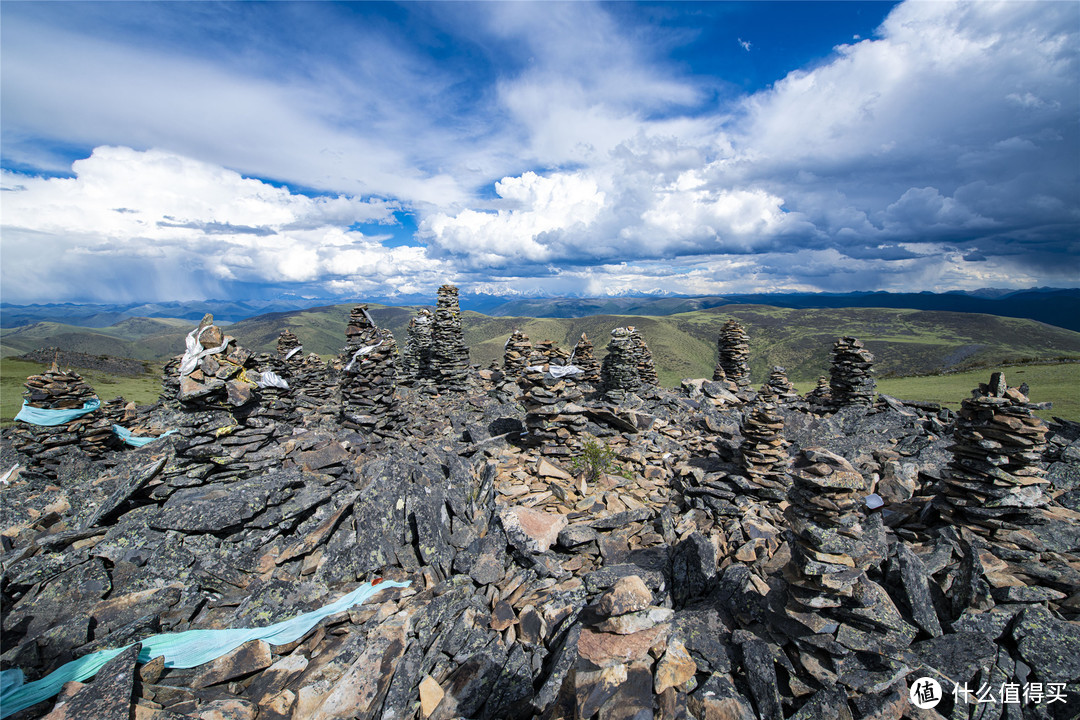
x=1054 y=306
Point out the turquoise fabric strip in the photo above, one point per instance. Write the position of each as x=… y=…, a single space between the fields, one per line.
x=49 y=417
x=181 y=650
x=135 y=440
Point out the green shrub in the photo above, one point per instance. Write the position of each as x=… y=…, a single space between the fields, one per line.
x=596 y=459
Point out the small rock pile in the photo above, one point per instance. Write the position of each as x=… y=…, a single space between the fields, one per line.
x=779 y=386
x=450 y=357
x=554 y=417
x=764 y=451
x=643 y=359
x=733 y=353
x=995 y=480
x=548 y=352
x=821 y=396
x=290 y=351
x=721 y=377
x=516 y=354
x=56 y=389
x=584 y=358
x=47 y=444
x=619 y=372
x=615 y=674
x=416 y=359
x=851 y=373
x=218 y=371
x=170 y=383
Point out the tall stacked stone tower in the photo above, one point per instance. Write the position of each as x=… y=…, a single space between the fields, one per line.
x=416 y=360
x=733 y=353
x=643 y=359
x=584 y=358
x=516 y=354
x=851 y=375
x=619 y=372
x=995 y=481
x=369 y=376
x=450 y=357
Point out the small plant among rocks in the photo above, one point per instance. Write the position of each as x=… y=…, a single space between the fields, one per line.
x=595 y=460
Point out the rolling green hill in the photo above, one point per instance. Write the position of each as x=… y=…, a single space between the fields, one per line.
x=904 y=342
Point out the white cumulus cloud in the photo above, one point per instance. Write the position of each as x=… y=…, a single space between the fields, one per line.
x=173 y=227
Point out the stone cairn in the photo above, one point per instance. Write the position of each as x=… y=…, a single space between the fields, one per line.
x=625 y=616
x=290 y=351
x=46 y=445
x=226 y=428
x=825 y=496
x=287 y=363
x=643 y=359
x=416 y=359
x=369 y=376
x=276 y=401
x=833 y=545
x=779 y=386
x=316 y=397
x=516 y=354
x=360 y=331
x=584 y=358
x=170 y=383
x=851 y=379
x=995 y=480
x=554 y=417
x=450 y=357
x=821 y=396
x=619 y=372
x=548 y=352
x=217 y=375
x=734 y=353
x=764 y=451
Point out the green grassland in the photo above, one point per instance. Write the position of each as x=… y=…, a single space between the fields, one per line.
x=1058 y=383
x=142 y=389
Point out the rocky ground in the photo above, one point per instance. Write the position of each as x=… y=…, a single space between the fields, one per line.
x=639 y=560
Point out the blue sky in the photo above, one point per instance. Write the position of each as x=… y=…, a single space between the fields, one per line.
x=187 y=150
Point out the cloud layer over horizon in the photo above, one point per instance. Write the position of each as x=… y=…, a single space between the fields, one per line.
x=558 y=148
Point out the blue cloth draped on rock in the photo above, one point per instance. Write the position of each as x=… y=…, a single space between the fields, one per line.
x=135 y=440
x=47 y=416
x=186 y=649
